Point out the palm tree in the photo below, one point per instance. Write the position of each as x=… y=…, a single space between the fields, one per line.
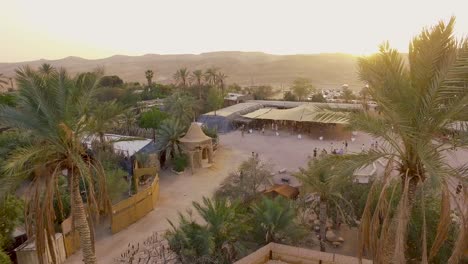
x=181 y=76
x=220 y=78
x=2 y=81
x=211 y=75
x=149 y=77
x=274 y=220
x=417 y=104
x=46 y=69
x=168 y=135
x=181 y=106
x=104 y=117
x=53 y=108
x=224 y=221
x=197 y=76
x=327 y=187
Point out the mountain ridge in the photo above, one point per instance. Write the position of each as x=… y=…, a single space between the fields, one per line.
x=325 y=70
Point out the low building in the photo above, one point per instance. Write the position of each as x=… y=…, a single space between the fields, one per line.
x=236 y=98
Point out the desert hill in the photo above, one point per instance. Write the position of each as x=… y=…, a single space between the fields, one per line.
x=244 y=68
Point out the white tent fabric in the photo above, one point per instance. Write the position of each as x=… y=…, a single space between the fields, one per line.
x=302 y=113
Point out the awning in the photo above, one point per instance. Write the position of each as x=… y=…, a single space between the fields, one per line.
x=302 y=113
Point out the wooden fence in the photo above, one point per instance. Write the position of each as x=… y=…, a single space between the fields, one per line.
x=130 y=210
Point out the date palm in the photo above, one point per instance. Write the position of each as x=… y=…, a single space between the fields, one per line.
x=181 y=76
x=103 y=117
x=197 y=77
x=53 y=109
x=211 y=76
x=220 y=79
x=149 y=77
x=182 y=107
x=328 y=188
x=46 y=69
x=417 y=103
x=168 y=135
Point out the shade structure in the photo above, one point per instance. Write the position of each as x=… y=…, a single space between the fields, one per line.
x=302 y=113
x=194 y=135
x=197 y=146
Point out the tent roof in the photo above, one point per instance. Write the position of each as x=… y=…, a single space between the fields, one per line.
x=240 y=109
x=302 y=113
x=194 y=134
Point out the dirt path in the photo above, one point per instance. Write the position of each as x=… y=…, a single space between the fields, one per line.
x=176 y=194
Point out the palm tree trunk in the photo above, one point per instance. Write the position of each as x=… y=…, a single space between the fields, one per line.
x=323 y=224
x=81 y=224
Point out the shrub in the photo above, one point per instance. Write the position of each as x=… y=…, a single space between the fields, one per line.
x=117 y=186
x=180 y=163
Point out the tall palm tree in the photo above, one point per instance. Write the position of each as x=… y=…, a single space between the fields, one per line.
x=211 y=75
x=197 y=77
x=149 y=76
x=417 y=103
x=220 y=79
x=53 y=108
x=181 y=76
x=327 y=187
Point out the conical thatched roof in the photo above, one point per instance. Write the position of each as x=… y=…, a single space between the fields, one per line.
x=194 y=135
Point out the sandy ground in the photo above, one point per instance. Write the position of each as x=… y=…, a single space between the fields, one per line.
x=178 y=191
x=176 y=195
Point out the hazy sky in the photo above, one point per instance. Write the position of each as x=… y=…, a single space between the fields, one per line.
x=55 y=29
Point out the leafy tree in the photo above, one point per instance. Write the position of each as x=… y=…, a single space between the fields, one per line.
x=348 y=94
x=111 y=81
x=152 y=119
x=215 y=100
x=53 y=108
x=149 y=77
x=261 y=92
x=273 y=221
x=289 y=96
x=4 y=258
x=417 y=103
x=234 y=88
x=106 y=94
x=181 y=76
x=318 y=97
x=302 y=88
x=246 y=183
x=328 y=187
x=11 y=214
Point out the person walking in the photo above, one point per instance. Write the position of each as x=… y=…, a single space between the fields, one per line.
x=315 y=153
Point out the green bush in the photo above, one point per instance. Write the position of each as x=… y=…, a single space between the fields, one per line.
x=4 y=259
x=180 y=163
x=117 y=186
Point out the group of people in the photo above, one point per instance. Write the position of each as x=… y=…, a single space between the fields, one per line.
x=334 y=151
